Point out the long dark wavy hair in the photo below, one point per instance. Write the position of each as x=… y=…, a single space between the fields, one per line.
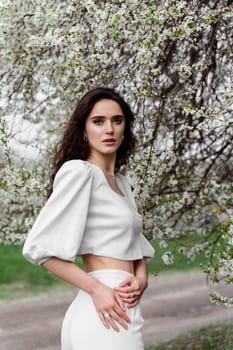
x=73 y=144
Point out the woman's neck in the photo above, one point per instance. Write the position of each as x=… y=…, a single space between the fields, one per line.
x=107 y=163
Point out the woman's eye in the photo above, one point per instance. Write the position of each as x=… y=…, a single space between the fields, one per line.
x=118 y=120
x=98 y=121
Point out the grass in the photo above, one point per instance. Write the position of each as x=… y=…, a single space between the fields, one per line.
x=213 y=337
x=19 y=277
x=180 y=262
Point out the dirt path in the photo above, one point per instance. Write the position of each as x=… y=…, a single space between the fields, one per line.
x=178 y=303
x=172 y=305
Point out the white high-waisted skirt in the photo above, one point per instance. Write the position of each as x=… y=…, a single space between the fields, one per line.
x=82 y=328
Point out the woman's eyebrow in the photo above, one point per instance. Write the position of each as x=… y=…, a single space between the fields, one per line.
x=103 y=116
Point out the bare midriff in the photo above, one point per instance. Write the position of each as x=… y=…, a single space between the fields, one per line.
x=93 y=262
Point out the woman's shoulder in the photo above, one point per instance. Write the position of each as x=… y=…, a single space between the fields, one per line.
x=125 y=177
x=75 y=165
x=73 y=169
x=127 y=181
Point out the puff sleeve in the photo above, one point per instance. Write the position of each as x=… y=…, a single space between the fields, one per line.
x=59 y=227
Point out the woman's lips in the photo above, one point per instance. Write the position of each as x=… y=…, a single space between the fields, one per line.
x=109 y=141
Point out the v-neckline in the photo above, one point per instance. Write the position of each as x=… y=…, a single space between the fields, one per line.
x=123 y=196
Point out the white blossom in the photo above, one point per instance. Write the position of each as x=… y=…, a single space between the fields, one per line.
x=168 y=258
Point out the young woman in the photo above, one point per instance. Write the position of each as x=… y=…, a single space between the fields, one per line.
x=91 y=212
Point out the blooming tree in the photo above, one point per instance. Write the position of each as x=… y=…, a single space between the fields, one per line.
x=171 y=60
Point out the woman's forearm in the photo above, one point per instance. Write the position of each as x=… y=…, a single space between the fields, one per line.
x=141 y=272
x=71 y=273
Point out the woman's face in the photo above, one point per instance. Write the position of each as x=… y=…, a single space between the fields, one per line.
x=105 y=127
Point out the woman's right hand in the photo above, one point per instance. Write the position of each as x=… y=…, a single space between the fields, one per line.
x=110 y=307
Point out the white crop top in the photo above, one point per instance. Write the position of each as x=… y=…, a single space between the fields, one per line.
x=84 y=215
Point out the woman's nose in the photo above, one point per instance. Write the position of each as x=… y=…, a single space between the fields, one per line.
x=109 y=127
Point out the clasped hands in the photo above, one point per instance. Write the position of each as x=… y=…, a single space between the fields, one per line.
x=112 y=303
x=130 y=290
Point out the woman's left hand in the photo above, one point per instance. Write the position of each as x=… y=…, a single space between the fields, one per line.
x=131 y=289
